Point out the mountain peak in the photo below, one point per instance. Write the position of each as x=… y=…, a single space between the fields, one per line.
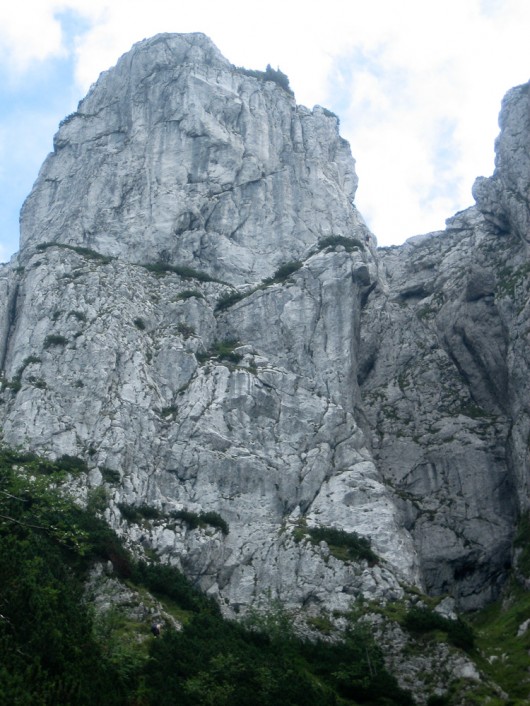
x=176 y=155
x=201 y=309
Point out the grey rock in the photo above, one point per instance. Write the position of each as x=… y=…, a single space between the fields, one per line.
x=504 y=198
x=381 y=392
x=175 y=155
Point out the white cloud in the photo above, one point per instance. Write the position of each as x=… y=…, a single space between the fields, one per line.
x=29 y=33
x=417 y=84
x=438 y=66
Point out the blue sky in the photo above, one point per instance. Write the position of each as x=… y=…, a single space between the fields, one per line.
x=417 y=84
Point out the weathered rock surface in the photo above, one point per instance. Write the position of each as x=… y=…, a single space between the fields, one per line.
x=175 y=155
x=382 y=392
x=504 y=198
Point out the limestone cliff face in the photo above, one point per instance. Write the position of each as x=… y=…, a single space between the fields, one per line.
x=444 y=370
x=175 y=155
x=378 y=392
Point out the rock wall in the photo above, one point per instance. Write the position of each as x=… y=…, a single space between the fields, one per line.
x=174 y=155
x=145 y=327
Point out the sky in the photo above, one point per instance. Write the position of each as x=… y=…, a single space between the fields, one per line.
x=417 y=85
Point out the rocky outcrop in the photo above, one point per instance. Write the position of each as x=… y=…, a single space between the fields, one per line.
x=504 y=198
x=199 y=311
x=175 y=155
x=443 y=369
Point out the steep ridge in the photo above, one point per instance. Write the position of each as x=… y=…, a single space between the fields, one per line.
x=443 y=368
x=175 y=155
x=199 y=311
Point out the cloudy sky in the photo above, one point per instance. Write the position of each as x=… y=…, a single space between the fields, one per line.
x=417 y=84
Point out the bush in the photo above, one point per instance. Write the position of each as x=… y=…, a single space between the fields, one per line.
x=229 y=299
x=84 y=252
x=71 y=464
x=68 y=119
x=42 y=466
x=195 y=520
x=189 y=294
x=162 y=268
x=346 y=546
x=55 y=340
x=16 y=382
x=140 y=324
x=214 y=519
x=330 y=114
x=137 y=513
x=79 y=315
x=169 y=411
x=187 y=516
x=109 y=475
x=165 y=580
x=185 y=330
x=222 y=350
x=284 y=272
x=349 y=244
x=269 y=74
x=423 y=620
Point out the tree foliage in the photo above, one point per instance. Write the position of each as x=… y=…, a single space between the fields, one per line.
x=49 y=654
x=270 y=74
x=54 y=651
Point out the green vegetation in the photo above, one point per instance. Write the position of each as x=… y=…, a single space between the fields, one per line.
x=222 y=350
x=169 y=411
x=70 y=464
x=330 y=114
x=55 y=651
x=162 y=268
x=346 y=546
x=227 y=664
x=474 y=411
x=284 y=272
x=189 y=294
x=502 y=651
x=424 y=620
x=55 y=339
x=425 y=312
x=229 y=299
x=269 y=74
x=79 y=315
x=140 y=324
x=68 y=119
x=109 y=475
x=139 y=513
x=522 y=545
x=509 y=279
x=16 y=383
x=349 y=244
x=201 y=519
x=49 y=653
x=281 y=275
x=185 y=330
x=84 y=252
x=37 y=382
x=502 y=630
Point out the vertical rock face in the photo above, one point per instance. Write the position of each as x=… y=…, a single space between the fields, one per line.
x=174 y=155
x=249 y=410
x=504 y=199
x=444 y=375
x=229 y=405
